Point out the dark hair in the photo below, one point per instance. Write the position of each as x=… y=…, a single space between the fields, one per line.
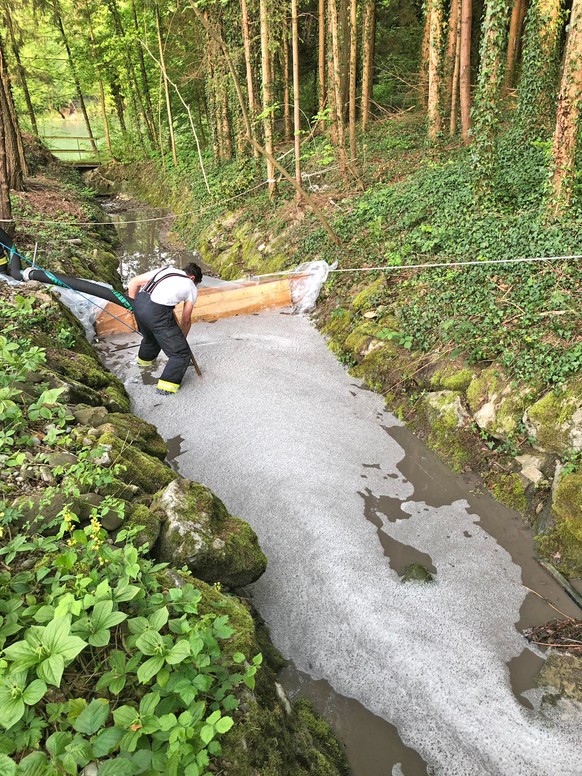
x=193 y=270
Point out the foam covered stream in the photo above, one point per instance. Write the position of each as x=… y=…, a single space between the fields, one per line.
x=278 y=430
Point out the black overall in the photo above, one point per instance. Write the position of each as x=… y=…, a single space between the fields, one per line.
x=161 y=332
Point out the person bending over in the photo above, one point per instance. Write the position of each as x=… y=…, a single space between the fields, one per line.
x=155 y=295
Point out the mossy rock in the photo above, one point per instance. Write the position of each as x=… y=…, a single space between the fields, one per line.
x=509 y=490
x=382 y=368
x=137 y=432
x=370 y=296
x=451 y=378
x=138 y=515
x=339 y=323
x=197 y=531
x=555 y=420
x=497 y=406
x=562 y=543
x=86 y=375
x=148 y=473
x=563 y=673
x=416 y=572
x=442 y=420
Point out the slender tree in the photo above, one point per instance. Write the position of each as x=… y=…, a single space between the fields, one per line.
x=451 y=51
x=435 y=10
x=336 y=86
x=353 y=74
x=267 y=91
x=8 y=20
x=5 y=205
x=321 y=82
x=489 y=89
x=515 y=23
x=568 y=114
x=368 y=47
x=286 y=84
x=10 y=140
x=296 y=93
x=538 y=83
x=465 y=69
x=166 y=87
x=455 y=81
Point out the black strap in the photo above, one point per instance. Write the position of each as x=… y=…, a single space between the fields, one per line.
x=152 y=284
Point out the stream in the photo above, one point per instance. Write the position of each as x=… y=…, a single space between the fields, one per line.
x=415 y=679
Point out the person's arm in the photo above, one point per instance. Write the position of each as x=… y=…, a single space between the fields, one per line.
x=136 y=283
x=187 y=317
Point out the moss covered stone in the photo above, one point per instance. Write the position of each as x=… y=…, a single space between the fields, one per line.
x=88 y=375
x=563 y=673
x=562 y=543
x=149 y=524
x=339 y=324
x=509 y=490
x=137 y=432
x=370 y=296
x=497 y=406
x=197 y=531
x=451 y=378
x=381 y=368
x=149 y=474
x=446 y=421
x=555 y=420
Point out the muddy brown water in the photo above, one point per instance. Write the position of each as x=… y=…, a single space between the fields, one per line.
x=373 y=745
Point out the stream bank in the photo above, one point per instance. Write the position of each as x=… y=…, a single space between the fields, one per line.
x=522 y=435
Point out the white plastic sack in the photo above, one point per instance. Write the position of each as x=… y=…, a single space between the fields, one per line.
x=305 y=290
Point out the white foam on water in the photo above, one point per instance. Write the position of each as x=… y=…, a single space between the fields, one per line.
x=277 y=430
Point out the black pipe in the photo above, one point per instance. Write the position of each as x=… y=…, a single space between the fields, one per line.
x=84 y=286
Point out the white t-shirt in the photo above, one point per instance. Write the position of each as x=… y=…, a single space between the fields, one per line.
x=172 y=290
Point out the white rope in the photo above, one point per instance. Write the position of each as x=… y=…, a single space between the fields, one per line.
x=437 y=265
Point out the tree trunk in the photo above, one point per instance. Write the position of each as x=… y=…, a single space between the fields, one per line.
x=353 y=73
x=337 y=111
x=435 y=9
x=16 y=166
x=296 y=94
x=455 y=82
x=148 y=110
x=512 y=41
x=321 y=82
x=98 y=71
x=489 y=90
x=537 y=87
x=75 y=75
x=368 y=41
x=267 y=91
x=568 y=114
x=5 y=206
x=286 y=87
x=21 y=72
x=248 y=63
x=424 y=59
x=451 y=52
x=465 y=69
x=166 y=87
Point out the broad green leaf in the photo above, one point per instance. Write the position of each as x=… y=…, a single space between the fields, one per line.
x=92 y=717
x=224 y=724
x=238 y=657
x=125 y=592
x=101 y=611
x=125 y=716
x=192 y=770
x=150 y=643
x=33 y=765
x=45 y=614
x=158 y=619
x=116 y=685
x=149 y=668
x=213 y=718
x=118 y=767
x=57 y=743
x=148 y=703
x=51 y=669
x=11 y=709
x=7 y=765
x=34 y=692
x=179 y=652
x=106 y=741
x=167 y=722
x=207 y=733
x=68 y=762
x=23 y=654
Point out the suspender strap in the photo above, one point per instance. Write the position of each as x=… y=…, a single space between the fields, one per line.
x=152 y=284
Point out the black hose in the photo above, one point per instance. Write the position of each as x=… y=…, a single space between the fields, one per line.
x=84 y=286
